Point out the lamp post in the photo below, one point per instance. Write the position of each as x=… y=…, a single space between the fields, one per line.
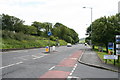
x=91 y=22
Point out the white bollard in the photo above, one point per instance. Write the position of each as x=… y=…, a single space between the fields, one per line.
x=53 y=48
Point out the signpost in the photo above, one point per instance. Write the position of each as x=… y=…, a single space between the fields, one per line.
x=118 y=46
x=117 y=49
x=111 y=56
x=49 y=34
x=111 y=47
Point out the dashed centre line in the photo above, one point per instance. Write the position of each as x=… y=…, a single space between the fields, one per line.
x=11 y=65
x=73 y=69
x=65 y=68
x=38 y=57
x=25 y=58
x=52 y=68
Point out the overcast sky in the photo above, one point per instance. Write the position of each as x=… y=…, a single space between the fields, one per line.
x=68 y=12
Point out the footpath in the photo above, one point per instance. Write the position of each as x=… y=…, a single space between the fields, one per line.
x=91 y=58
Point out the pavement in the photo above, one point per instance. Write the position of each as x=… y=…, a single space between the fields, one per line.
x=90 y=58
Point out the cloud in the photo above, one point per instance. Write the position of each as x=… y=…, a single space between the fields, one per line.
x=68 y=12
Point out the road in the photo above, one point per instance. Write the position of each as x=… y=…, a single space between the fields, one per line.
x=62 y=63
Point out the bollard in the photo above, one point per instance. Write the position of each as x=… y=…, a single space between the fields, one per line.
x=47 y=49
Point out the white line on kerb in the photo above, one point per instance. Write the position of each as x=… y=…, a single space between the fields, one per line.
x=73 y=69
x=52 y=68
x=81 y=55
x=10 y=65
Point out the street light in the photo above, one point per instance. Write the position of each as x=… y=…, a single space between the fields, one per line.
x=91 y=22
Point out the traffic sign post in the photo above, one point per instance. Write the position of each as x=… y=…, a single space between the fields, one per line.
x=118 y=46
x=110 y=57
x=111 y=47
x=49 y=34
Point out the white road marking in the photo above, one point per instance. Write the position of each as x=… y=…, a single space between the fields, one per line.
x=73 y=69
x=19 y=62
x=72 y=77
x=81 y=55
x=21 y=56
x=10 y=65
x=38 y=57
x=74 y=58
x=34 y=56
x=52 y=68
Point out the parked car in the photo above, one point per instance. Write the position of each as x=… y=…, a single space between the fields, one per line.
x=69 y=45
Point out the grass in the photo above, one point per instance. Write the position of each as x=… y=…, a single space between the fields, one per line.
x=14 y=44
x=10 y=40
x=109 y=61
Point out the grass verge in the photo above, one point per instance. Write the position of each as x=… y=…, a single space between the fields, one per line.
x=16 y=44
x=109 y=61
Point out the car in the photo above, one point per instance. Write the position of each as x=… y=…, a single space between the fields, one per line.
x=69 y=45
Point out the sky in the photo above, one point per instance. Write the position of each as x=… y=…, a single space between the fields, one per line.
x=68 y=12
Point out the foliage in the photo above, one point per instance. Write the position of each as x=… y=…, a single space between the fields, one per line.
x=17 y=35
x=104 y=30
x=11 y=23
x=101 y=55
x=62 y=42
x=42 y=28
x=65 y=33
x=28 y=42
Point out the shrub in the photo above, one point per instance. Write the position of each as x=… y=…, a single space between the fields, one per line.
x=20 y=40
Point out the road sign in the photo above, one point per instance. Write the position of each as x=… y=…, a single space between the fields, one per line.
x=117 y=38
x=117 y=49
x=49 y=33
x=110 y=57
x=117 y=52
x=117 y=44
x=110 y=45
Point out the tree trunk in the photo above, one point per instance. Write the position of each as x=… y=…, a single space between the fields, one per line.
x=93 y=46
x=106 y=45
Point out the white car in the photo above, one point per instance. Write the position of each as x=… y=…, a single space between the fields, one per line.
x=69 y=45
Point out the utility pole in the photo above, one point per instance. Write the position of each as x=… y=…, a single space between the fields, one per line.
x=91 y=43
x=119 y=7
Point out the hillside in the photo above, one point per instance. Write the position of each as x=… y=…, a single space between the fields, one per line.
x=12 y=40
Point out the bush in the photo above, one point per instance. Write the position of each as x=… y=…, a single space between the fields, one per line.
x=62 y=42
x=19 y=40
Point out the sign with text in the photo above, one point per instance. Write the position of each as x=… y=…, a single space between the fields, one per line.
x=117 y=44
x=110 y=57
x=110 y=45
x=117 y=38
x=117 y=52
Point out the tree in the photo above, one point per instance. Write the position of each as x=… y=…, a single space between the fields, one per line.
x=29 y=30
x=42 y=28
x=65 y=33
x=104 y=30
x=11 y=23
